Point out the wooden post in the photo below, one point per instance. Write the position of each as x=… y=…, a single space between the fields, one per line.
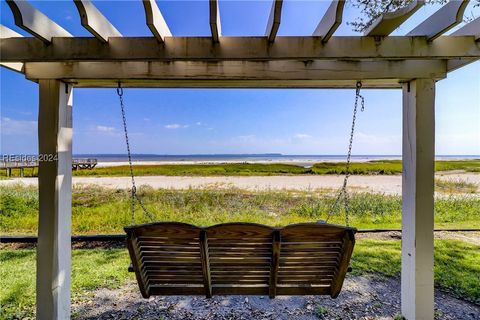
x=418 y=198
x=55 y=198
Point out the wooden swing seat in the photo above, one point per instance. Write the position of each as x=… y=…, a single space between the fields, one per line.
x=171 y=258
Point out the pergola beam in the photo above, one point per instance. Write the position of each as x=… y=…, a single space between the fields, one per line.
x=9 y=33
x=215 y=26
x=441 y=21
x=331 y=20
x=35 y=22
x=388 y=22
x=155 y=21
x=238 y=48
x=237 y=73
x=95 y=22
x=274 y=20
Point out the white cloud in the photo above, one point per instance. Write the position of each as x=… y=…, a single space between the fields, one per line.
x=18 y=127
x=302 y=136
x=176 y=126
x=246 y=138
x=198 y=123
x=105 y=129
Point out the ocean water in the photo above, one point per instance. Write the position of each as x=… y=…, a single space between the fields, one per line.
x=269 y=157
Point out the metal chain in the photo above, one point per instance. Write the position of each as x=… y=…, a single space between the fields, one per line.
x=343 y=191
x=134 y=196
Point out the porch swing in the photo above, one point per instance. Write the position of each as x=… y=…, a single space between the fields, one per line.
x=174 y=258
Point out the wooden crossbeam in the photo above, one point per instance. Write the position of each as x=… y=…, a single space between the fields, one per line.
x=155 y=21
x=388 y=22
x=215 y=26
x=274 y=20
x=287 y=74
x=9 y=33
x=35 y=22
x=331 y=20
x=95 y=22
x=238 y=48
x=441 y=21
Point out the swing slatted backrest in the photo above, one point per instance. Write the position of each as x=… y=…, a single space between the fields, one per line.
x=171 y=258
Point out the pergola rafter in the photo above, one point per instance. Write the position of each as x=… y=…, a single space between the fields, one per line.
x=413 y=62
x=273 y=23
x=441 y=21
x=390 y=21
x=95 y=22
x=330 y=21
x=155 y=21
x=35 y=22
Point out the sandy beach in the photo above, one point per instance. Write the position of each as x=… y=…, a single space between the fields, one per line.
x=388 y=184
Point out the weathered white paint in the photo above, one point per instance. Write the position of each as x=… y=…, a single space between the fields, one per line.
x=252 y=73
x=95 y=22
x=470 y=29
x=417 y=194
x=9 y=33
x=238 y=48
x=331 y=20
x=274 y=20
x=215 y=26
x=388 y=22
x=155 y=21
x=34 y=22
x=55 y=201
x=441 y=21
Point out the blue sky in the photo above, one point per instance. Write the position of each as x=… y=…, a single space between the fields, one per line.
x=180 y=121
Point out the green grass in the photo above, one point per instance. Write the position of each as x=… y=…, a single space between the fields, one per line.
x=91 y=269
x=381 y=167
x=457 y=264
x=102 y=210
x=457 y=269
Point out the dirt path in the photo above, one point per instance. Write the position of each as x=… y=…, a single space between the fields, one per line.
x=383 y=184
x=362 y=298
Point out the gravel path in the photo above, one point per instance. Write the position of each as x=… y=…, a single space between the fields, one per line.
x=362 y=298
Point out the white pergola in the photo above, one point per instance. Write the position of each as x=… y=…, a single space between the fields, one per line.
x=59 y=62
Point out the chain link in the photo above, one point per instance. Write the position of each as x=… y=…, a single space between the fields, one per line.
x=134 y=196
x=343 y=191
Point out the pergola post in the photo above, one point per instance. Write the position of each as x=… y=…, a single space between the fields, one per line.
x=418 y=199
x=55 y=198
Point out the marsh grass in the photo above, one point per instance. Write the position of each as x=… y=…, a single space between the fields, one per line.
x=455 y=186
x=97 y=210
x=380 y=167
x=457 y=270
